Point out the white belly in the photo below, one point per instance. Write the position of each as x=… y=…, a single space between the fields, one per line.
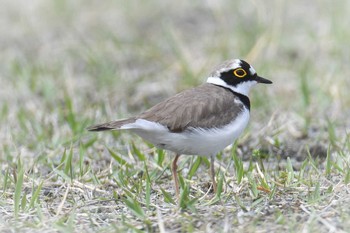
x=192 y=141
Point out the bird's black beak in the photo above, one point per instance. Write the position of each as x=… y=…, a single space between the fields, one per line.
x=262 y=80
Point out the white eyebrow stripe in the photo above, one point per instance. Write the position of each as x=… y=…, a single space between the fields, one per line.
x=234 y=65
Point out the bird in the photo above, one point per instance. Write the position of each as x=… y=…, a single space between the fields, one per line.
x=199 y=121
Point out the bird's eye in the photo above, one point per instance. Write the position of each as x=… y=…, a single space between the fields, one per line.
x=239 y=73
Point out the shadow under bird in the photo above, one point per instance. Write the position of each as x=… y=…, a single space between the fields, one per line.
x=199 y=121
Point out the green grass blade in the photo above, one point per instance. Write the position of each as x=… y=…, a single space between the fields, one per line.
x=238 y=165
x=90 y=142
x=82 y=152
x=240 y=203
x=328 y=162
x=184 y=196
x=66 y=177
x=220 y=186
x=194 y=167
x=148 y=187
x=347 y=177
x=70 y=116
x=290 y=171
x=35 y=196
x=64 y=157
x=117 y=158
x=18 y=187
x=6 y=180
x=138 y=153
x=160 y=157
x=24 y=201
x=68 y=168
x=332 y=133
x=135 y=208
x=167 y=197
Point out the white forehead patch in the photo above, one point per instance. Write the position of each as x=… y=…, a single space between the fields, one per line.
x=252 y=71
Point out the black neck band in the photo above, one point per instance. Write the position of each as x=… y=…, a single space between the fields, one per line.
x=245 y=100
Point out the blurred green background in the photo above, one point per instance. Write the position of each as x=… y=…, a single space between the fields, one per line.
x=114 y=58
x=130 y=55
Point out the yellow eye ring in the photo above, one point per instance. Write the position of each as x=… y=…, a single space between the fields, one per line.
x=239 y=73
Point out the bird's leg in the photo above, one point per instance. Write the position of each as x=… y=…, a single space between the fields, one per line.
x=212 y=172
x=175 y=178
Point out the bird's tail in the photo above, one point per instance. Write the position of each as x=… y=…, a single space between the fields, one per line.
x=112 y=125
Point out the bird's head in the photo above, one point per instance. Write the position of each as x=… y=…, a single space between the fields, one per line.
x=236 y=75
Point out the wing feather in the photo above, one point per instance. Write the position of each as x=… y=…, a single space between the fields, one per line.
x=203 y=106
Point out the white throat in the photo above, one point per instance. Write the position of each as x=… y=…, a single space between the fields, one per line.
x=242 y=88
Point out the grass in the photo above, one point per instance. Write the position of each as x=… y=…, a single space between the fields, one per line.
x=67 y=65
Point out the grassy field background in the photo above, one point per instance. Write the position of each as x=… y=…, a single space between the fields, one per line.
x=65 y=65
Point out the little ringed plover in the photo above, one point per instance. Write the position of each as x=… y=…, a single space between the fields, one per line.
x=198 y=121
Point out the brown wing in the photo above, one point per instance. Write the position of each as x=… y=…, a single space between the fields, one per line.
x=205 y=106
